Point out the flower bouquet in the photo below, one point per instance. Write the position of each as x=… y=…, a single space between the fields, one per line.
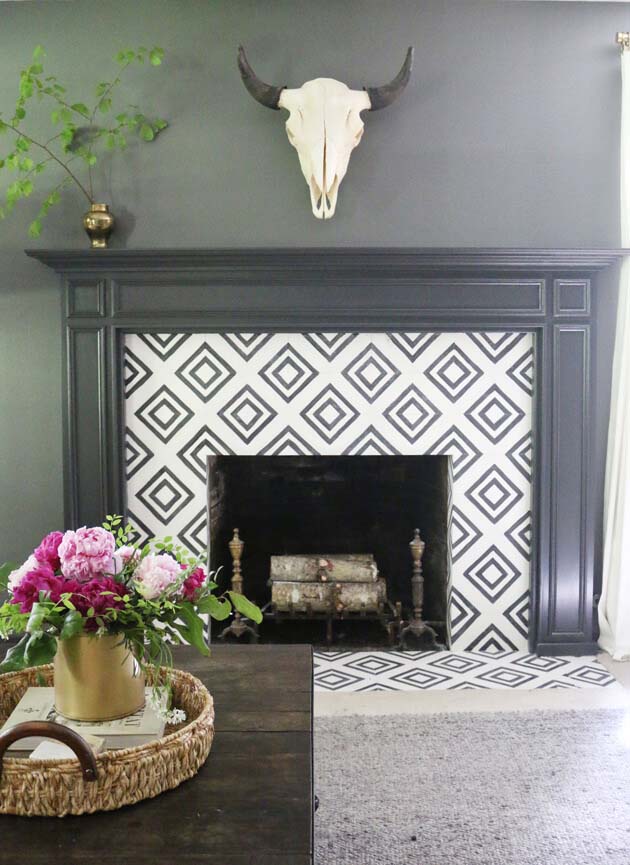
x=93 y=582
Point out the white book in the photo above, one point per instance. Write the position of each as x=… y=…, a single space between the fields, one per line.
x=38 y=704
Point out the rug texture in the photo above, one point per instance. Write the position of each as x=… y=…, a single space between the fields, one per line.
x=518 y=788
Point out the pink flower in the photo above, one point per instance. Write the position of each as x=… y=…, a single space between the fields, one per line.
x=41 y=579
x=193 y=582
x=48 y=550
x=16 y=576
x=155 y=575
x=89 y=595
x=123 y=556
x=87 y=553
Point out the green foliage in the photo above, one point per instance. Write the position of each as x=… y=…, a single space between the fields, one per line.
x=81 y=131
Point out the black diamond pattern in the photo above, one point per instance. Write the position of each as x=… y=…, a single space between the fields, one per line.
x=164 y=414
x=194 y=535
x=411 y=413
x=288 y=373
x=329 y=414
x=522 y=372
x=204 y=443
x=413 y=344
x=135 y=373
x=517 y=614
x=205 y=372
x=521 y=456
x=496 y=345
x=137 y=454
x=492 y=574
x=371 y=373
x=494 y=494
x=247 y=345
x=370 y=443
x=495 y=414
x=520 y=534
x=288 y=443
x=464 y=534
x=164 y=495
x=247 y=414
x=330 y=344
x=455 y=444
x=453 y=372
x=163 y=344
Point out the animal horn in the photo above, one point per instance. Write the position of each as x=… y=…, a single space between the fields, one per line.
x=267 y=94
x=381 y=97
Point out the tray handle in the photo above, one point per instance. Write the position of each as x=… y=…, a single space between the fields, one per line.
x=50 y=730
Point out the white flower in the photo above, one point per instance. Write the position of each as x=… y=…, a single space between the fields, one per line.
x=123 y=556
x=16 y=576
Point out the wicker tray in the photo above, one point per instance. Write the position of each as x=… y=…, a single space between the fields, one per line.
x=55 y=788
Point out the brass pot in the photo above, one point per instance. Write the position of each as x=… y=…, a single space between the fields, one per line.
x=99 y=224
x=97 y=678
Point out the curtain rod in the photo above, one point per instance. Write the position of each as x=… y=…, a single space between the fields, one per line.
x=623 y=40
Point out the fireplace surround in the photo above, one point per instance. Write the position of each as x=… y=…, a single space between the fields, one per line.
x=551 y=296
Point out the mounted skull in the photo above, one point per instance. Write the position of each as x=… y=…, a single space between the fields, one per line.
x=324 y=124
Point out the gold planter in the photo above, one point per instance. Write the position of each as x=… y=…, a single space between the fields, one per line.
x=97 y=679
x=99 y=224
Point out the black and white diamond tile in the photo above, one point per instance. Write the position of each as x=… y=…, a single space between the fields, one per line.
x=464 y=395
x=453 y=671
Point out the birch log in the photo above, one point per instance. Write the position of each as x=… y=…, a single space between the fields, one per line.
x=356 y=568
x=317 y=597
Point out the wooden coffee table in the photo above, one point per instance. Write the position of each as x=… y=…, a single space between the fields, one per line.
x=252 y=802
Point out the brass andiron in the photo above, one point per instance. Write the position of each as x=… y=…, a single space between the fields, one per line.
x=238 y=626
x=417 y=626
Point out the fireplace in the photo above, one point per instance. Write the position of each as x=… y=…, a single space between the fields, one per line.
x=319 y=506
x=489 y=357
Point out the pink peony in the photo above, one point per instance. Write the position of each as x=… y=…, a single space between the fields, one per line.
x=16 y=576
x=87 y=595
x=155 y=575
x=41 y=579
x=193 y=582
x=87 y=553
x=123 y=556
x=48 y=550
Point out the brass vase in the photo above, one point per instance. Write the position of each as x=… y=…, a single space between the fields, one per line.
x=97 y=678
x=99 y=224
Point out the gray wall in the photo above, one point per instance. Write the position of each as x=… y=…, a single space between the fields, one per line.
x=507 y=136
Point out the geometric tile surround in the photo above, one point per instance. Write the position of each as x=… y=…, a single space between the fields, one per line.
x=466 y=395
x=454 y=671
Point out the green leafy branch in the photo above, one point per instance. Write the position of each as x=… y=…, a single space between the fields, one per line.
x=76 y=136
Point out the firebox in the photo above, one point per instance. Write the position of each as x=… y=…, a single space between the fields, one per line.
x=328 y=538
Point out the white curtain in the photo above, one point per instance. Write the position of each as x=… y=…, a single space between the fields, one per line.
x=614 y=606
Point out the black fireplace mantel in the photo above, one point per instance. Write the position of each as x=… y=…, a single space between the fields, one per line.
x=553 y=293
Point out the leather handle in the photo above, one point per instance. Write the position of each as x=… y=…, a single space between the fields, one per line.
x=49 y=730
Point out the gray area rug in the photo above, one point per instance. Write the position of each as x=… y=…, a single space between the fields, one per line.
x=518 y=788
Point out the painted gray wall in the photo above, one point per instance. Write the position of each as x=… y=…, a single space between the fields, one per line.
x=507 y=136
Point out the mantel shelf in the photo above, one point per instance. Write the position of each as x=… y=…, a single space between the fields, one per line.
x=397 y=261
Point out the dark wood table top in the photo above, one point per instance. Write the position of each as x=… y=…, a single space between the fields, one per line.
x=252 y=802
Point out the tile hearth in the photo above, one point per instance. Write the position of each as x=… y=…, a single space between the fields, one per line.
x=454 y=671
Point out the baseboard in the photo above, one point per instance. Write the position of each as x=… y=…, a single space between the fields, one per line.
x=553 y=649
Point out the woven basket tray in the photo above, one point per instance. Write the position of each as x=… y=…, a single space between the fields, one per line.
x=55 y=788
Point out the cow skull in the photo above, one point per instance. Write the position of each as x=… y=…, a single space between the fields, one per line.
x=324 y=124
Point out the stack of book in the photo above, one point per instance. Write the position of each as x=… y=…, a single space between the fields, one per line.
x=38 y=704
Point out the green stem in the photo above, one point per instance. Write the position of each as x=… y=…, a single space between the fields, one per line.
x=53 y=156
x=103 y=96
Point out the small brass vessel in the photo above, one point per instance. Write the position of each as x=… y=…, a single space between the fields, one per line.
x=97 y=678
x=99 y=224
